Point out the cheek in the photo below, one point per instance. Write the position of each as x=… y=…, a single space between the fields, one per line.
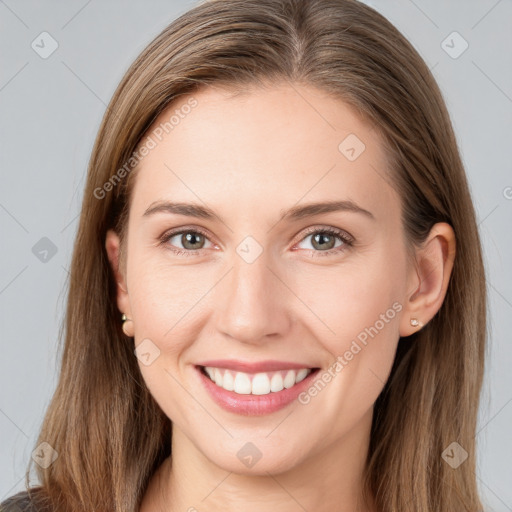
x=168 y=303
x=353 y=299
x=164 y=295
x=362 y=307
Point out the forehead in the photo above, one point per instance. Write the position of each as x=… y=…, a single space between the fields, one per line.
x=262 y=150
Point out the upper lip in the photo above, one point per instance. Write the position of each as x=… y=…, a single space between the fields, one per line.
x=254 y=367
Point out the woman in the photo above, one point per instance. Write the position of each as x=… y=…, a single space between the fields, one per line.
x=277 y=296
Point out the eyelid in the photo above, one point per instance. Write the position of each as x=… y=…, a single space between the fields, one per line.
x=347 y=238
x=167 y=235
x=324 y=228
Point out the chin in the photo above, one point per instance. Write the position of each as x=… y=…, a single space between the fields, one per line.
x=255 y=459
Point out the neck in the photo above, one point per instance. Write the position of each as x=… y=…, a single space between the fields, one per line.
x=326 y=481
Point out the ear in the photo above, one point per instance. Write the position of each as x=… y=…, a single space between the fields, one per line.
x=428 y=279
x=112 y=245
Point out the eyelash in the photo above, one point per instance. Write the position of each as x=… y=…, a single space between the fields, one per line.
x=347 y=240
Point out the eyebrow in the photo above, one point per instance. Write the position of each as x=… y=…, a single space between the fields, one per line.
x=292 y=214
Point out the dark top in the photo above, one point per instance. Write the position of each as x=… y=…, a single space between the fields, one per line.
x=20 y=502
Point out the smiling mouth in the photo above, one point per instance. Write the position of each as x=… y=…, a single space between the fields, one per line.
x=261 y=383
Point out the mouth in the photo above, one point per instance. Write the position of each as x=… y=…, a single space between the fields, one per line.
x=260 y=383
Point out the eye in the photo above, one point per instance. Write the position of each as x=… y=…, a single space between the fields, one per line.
x=324 y=239
x=191 y=239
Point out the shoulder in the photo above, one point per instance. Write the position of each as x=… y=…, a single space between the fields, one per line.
x=21 y=502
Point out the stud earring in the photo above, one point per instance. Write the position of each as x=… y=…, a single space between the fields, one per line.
x=127 y=325
x=416 y=323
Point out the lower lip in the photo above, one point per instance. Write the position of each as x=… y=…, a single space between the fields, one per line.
x=254 y=405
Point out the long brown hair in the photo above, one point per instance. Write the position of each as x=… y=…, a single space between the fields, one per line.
x=109 y=433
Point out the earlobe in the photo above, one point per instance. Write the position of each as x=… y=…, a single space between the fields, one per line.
x=112 y=246
x=434 y=264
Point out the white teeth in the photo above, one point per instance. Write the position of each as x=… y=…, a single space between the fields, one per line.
x=261 y=383
x=301 y=375
x=242 y=384
x=276 y=384
x=289 y=380
x=218 y=377
x=229 y=382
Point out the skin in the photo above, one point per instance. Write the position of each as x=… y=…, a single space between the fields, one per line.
x=248 y=157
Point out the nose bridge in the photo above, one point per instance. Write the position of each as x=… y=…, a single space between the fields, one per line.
x=250 y=303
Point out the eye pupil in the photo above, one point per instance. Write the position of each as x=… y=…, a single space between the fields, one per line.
x=322 y=237
x=191 y=239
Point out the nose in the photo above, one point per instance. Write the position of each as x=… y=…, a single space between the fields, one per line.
x=253 y=303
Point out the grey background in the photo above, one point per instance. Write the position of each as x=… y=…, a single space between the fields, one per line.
x=50 y=112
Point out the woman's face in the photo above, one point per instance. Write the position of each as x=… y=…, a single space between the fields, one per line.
x=259 y=279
